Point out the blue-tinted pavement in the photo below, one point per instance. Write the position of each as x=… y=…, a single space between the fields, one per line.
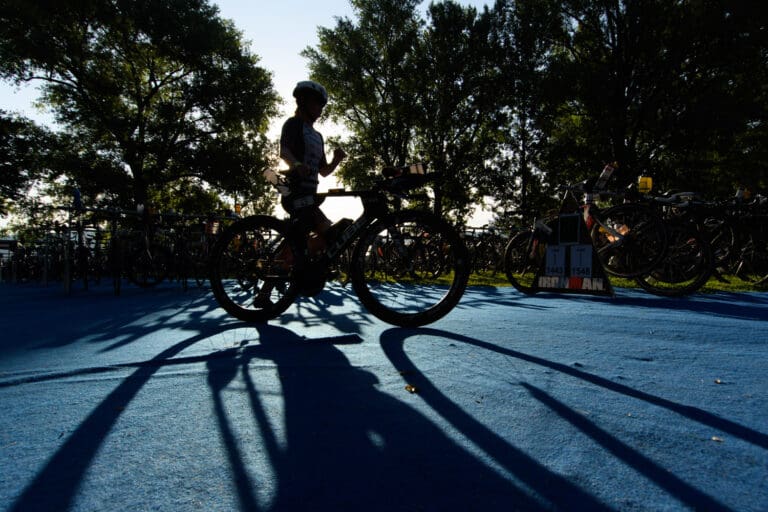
x=156 y=400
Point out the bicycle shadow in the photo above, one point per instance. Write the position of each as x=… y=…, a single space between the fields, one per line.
x=336 y=305
x=343 y=444
x=393 y=342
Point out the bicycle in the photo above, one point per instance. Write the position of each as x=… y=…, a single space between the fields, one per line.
x=690 y=259
x=746 y=222
x=256 y=272
x=148 y=254
x=630 y=239
x=486 y=249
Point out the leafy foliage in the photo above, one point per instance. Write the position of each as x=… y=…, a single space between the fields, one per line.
x=160 y=98
x=369 y=70
x=20 y=153
x=164 y=87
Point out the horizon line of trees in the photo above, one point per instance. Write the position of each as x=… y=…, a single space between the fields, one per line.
x=162 y=102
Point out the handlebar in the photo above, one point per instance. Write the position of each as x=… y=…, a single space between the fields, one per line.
x=396 y=181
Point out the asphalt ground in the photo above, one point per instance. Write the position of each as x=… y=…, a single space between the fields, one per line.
x=157 y=400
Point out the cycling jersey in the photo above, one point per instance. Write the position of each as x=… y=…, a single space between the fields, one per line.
x=306 y=145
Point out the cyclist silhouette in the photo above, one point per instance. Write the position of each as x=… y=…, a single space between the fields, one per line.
x=303 y=149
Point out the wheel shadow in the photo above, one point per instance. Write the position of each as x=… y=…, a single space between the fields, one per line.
x=531 y=472
x=342 y=445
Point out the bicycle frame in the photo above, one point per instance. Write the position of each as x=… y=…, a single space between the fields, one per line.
x=374 y=206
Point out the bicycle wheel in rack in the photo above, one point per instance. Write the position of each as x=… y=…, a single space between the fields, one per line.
x=250 y=268
x=752 y=262
x=395 y=266
x=522 y=260
x=688 y=265
x=149 y=264
x=200 y=267
x=637 y=244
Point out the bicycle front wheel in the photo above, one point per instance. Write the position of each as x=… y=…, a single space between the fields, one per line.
x=250 y=269
x=410 y=268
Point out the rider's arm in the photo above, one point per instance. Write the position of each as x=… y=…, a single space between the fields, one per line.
x=328 y=168
x=291 y=143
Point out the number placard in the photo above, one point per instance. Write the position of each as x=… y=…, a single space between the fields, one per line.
x=581 y=260
x=555 y=264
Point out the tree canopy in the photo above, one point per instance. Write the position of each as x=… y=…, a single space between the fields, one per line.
x=506 y=102
x=164 y=89
x=527 y=94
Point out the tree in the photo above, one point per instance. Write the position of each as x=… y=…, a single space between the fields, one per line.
x=409 y=93
x=668 y=88
x=523 y=36
x=164 y=87
x=613 y=76
x=454 y=98
x=369 y=70
x=21 y=147
x=719 y=130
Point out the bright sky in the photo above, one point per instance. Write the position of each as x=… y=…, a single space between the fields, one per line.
x=277 y=32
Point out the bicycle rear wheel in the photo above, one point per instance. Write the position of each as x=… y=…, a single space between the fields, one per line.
x=410 y=268
x=752 y=263
x=522 y=260
x=149 y=264
x=686 y=268
x=637 y=243
x=250 y=269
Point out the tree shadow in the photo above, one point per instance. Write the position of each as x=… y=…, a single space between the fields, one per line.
x=744 y=306
x=44 y=320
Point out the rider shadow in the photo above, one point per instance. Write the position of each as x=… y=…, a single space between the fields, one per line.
x=344 y=444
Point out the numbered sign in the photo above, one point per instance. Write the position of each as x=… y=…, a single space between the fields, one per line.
x=571 y=264
x=581 y=260
x=555 y=263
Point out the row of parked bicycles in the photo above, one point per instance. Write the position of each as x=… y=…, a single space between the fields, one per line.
x=90 y=245
x=669 y=244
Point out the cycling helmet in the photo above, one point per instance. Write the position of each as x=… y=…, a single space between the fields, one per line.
x=312 y=88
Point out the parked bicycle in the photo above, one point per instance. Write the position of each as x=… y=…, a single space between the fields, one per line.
x=486 y=249
x=689 y=261
x=737 y=229
x=630 y=239
x=254 y=273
